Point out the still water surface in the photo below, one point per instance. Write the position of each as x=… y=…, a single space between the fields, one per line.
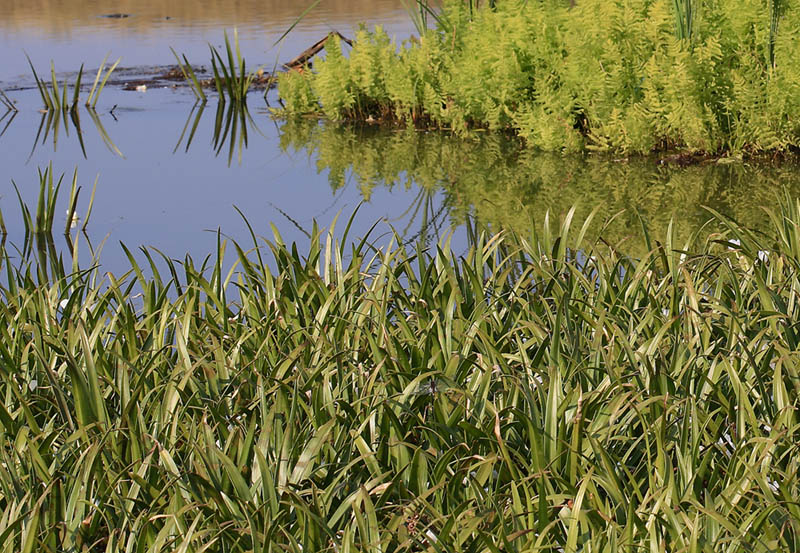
x=170 y=171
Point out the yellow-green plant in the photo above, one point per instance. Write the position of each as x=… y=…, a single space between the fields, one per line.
x=628 y=77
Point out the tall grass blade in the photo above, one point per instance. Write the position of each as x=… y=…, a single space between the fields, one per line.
x=189 y=76
x=94 y=94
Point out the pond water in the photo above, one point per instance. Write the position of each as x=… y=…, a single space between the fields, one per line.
x=170 y=172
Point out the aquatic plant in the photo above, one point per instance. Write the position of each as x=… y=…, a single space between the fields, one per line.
x=190 y=76
x=54 y=96
x=231 y=77
x=98 y=85
x=542 y=392
x=627 y=77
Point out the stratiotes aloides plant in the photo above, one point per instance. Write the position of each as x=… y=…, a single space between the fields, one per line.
x=630 y=76
x=543 y=392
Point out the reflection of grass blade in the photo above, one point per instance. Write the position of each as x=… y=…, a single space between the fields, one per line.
x=231 y=128
x=189 y=76
x=12 y=114
x=54 y=119
x=73 y=114
x=197 y=118
x=103 y=133
x=221 y=129
x=45 y=117
x=6 y=101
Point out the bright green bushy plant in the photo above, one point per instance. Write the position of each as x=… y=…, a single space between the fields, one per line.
x=627 y=76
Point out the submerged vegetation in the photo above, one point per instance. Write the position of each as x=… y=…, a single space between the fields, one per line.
x=543 y=392
x=633 y=76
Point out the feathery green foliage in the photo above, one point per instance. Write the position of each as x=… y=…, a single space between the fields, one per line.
x=541 y=393
x=630 y=76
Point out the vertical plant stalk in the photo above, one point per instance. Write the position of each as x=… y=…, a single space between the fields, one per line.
x=230 y=74
x=190 y=76
x=684 y=18
x=776 y=10
x=94 y=93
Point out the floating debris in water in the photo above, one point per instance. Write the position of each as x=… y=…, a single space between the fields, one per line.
x=141 y=88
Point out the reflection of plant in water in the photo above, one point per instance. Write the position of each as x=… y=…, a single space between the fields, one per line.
x=6 y=102
x=10 y=115
x=231 y=127
x=498 y=181
x=52 y=121
x=429 y=216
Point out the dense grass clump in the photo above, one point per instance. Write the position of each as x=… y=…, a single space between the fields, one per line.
x=629 y=76
x=541 y=393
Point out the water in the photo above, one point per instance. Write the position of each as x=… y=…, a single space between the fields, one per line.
x=162 y=184
x=153 y=190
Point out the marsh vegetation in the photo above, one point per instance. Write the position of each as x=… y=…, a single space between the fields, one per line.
x=715 y=76
x=566 y=353
x=541 y=392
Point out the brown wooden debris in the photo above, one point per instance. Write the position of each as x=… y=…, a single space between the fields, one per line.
x=309 y=53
